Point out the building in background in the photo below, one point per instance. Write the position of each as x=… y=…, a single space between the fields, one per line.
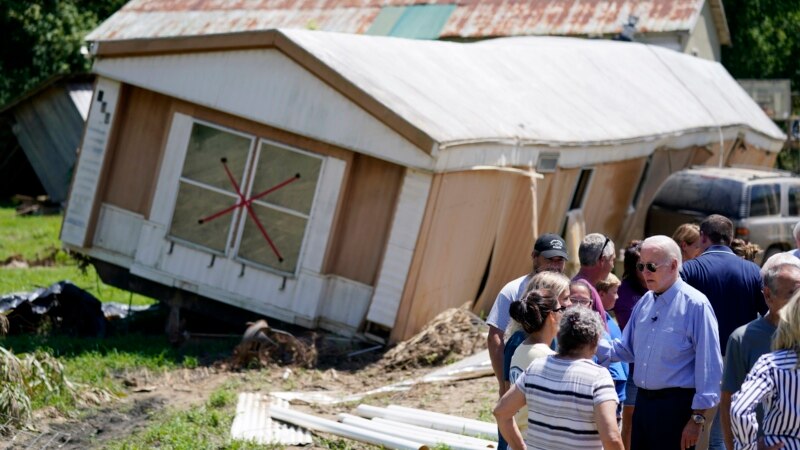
x=696 y=27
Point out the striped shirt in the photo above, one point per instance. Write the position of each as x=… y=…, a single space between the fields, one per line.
x=561 y=395
x=775 y=382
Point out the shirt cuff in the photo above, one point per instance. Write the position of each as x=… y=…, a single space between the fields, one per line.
x=705 y=401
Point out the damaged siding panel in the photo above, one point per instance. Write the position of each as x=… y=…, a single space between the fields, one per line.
x=400 y=249
x=85 y=183
x=49 y=128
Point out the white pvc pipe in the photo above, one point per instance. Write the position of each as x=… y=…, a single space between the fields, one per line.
x=472 y=422
x=339 y=429
x=438 y=434
x=391 y=430
x=452 y=424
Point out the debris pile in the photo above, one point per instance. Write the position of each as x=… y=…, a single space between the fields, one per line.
x=63 y=307
x=262 y=345
x=449 y=336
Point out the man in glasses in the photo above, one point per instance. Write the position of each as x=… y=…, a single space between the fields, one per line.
x=732 y=285
x=549 y=253
x=672 y=338
x=596 y=255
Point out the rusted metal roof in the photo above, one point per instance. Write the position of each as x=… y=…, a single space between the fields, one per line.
x=469 y=19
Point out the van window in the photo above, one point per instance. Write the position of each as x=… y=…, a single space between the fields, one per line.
x=794 y=200
x=703 y=194
x=765 y=200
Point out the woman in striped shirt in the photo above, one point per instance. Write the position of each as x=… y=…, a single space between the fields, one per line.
x=571 y=400
x=775 y=381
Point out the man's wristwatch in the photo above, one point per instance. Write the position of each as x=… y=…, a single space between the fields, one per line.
x=698 y=419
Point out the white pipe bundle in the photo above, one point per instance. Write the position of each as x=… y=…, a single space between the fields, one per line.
x=426 y=435
x=442 y=422
x=339 y=429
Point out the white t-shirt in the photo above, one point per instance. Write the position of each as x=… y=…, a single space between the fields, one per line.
x=523 y=357
x=561 y=395
x=511 y=292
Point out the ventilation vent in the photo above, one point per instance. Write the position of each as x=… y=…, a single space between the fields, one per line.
x=547 y=163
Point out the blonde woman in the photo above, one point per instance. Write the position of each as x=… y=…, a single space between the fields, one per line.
x=774 y=381
x=687 y=236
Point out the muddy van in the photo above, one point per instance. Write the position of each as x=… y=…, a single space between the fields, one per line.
x=764 y=205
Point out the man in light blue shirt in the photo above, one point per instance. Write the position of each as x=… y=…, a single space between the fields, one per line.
x=673 y=339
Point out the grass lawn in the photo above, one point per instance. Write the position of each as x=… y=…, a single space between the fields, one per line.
x=36 y=237
x=31 y=237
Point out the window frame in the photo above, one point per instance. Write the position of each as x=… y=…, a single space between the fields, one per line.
x=235 y=214
x=283 y=209
x=239 y=216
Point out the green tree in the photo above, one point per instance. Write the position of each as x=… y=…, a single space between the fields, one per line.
x=765 y=37
x=44 y=38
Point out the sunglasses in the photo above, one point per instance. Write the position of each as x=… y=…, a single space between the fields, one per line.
x=651 y=267
x=603 y=248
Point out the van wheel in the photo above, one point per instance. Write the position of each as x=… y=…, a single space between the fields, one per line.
x=772 y=251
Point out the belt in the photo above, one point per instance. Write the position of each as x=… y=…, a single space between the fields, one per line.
x=666 y=392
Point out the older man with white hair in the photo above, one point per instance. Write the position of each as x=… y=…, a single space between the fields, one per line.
x=672 y=338
x=781 y=275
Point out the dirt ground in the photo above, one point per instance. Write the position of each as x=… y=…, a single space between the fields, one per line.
x=452 y=337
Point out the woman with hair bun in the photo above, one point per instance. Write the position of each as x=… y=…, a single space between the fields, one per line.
x=539 y=314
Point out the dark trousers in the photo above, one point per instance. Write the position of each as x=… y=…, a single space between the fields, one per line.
x=659 y=418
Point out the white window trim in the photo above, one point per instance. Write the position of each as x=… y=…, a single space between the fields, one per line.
x=235 y=233
x=304 y=241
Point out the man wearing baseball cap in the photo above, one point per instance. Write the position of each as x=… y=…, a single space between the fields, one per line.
x=549 y=253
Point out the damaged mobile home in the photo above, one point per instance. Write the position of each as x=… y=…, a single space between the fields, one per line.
x=363 y=183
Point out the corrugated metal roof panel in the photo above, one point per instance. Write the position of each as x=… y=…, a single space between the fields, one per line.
x=469 y=18
x=422 y=21
x=253 y=422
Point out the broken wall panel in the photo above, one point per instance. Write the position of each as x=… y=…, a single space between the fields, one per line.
x=663 y=163
x=513 y=243
x=464 y=218
x=138 y=149
x=364 y=220
x=555 y=198
x=609 y=196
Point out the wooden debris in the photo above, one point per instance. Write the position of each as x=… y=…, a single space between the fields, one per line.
x=452 y=334
x=262 y=345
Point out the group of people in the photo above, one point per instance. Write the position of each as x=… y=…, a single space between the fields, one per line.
x=695 y=348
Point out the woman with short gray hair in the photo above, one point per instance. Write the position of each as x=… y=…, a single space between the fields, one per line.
x=571 y=400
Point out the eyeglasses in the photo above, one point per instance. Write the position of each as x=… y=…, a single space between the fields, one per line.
x=580 y=300
x=602 y=249
x=651 y=267
x=561 y=309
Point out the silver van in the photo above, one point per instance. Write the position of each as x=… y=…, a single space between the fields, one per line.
x=764 y=205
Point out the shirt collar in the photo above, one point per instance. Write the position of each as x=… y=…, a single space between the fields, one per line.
x=670 y=292
x=718 y=248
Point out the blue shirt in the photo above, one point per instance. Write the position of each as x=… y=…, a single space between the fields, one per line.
x=673 y=341
x=619 y=370
x=732 y=285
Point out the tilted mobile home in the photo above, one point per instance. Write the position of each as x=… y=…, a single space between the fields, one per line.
x=368 y=183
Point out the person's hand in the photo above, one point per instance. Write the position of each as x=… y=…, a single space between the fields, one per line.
x=763 y=445
x=691 y=433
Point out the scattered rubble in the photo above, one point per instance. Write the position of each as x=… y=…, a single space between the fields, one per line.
x=262 y=345
x=454 y=333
